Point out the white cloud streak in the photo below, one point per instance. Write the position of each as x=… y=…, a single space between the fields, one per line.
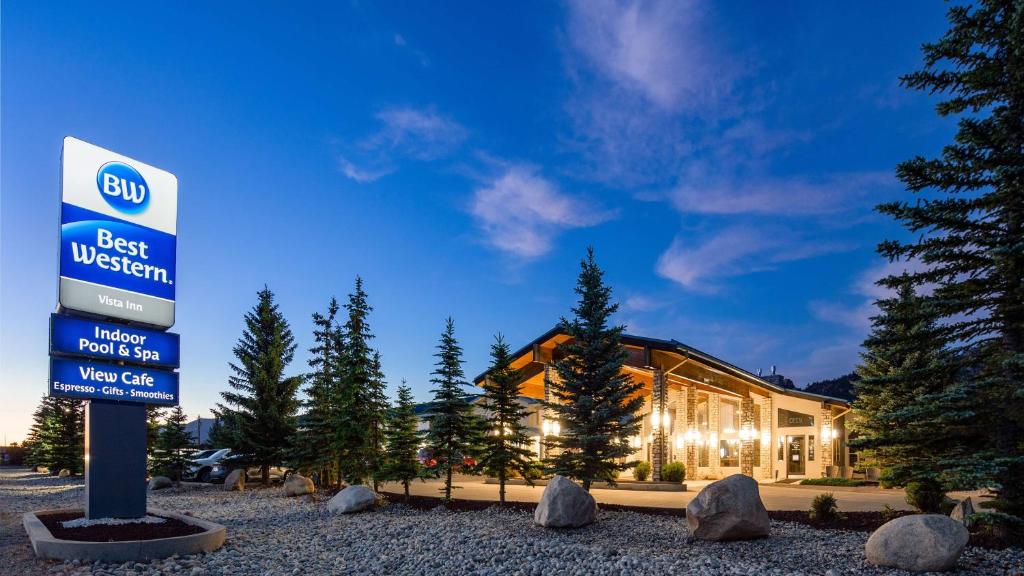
x=520 y=212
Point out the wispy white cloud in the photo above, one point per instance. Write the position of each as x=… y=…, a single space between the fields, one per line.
x=520 y=212
x=405 y=133
x=699 y=263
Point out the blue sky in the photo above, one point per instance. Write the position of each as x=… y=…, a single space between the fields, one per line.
x=722 y=159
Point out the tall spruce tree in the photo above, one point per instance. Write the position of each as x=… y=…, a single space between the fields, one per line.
x=454 y=428
x=314 y=443
x=908 y=414
x=969 y=225
x=358 y=409
x=376 y=420
x=154 y=414
x=401 y=458
x=504 y=448
x=262 y=405
x=173 y=442
x=596 y=404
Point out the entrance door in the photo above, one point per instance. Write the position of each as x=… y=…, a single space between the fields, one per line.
x=795 y=465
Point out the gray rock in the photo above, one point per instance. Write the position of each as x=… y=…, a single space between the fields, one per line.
x=159 y=483
x=729 y=509
x=919 y=543
x=235 y=480
x=64 y=473
x=352 y=499
x=962 y=512
x=297 y=485
x=564 y=504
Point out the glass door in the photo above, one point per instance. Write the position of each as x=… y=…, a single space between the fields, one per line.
x=795 y=465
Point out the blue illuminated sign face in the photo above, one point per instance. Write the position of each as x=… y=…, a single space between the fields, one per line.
x=123 y=187
x=118 y=236
x=86 y=380
x=80 y=337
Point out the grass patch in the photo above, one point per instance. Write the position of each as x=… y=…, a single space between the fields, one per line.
x=832 y=482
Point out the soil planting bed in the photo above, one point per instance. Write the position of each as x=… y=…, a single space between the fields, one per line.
x=115 y=532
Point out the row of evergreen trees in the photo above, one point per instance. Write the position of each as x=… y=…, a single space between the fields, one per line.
x=941 y=396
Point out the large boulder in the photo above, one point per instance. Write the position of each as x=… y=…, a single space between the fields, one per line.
x=730 y=509
x=159 y=483
x=352 y=499
x=297 y=485
x=235 y=480
x=565 y=504
x=918 y=543
x=962 y=512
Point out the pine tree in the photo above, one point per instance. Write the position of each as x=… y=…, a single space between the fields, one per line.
x=505 y=449
x=454 y=428
x=907 y=412
x=313 y=446
x=596 y=404
x=173 y=442
x=970 y=225
x=356 y=445
x=223 y=432
x=401 y=461
x=154 y=414
x=377 y=407
x=57 y=435
x=263 y=403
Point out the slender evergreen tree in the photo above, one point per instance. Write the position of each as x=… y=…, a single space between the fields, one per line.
x=907 y=411
x=596 y=404
x=314 y=449
x=358 y=409
x=154 y=414
x=969 y=226
x=401 y=462
x=262 y=404
x=376 y=413
x=454 y=428
x=223 y=432
x=173 y=442
x=505 y=448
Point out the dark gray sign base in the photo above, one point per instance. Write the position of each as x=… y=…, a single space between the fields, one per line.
x=115 y=460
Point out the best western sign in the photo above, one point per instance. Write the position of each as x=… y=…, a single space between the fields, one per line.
x=117 y=236
x=70 y=336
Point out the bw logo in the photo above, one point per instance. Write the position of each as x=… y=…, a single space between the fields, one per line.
x=123 y=187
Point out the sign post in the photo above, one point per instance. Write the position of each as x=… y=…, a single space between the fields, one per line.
x=116 y=296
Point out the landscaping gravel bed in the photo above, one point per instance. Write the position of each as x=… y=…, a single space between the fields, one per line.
x=269 y=534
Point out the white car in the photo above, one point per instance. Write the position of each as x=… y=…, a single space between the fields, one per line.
x=203 y=462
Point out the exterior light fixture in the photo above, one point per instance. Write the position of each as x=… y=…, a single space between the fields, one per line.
x=556 y=428
x=826 y=432
x=546 y=427
x=666 y=421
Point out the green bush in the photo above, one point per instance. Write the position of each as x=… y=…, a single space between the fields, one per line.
x=889 y=513
x=534 y=471
x=825 y=507
x=673 y=472
x=832 y=482
x=642 y=471
x=997 y=525
x=926 y=495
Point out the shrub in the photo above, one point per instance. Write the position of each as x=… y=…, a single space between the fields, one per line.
x=642 y=471
x=673 y=472
x=534 y=471
x=832 y=482
x=825 y=507
x=926 y=495
x=998 y=525
x=890 y=513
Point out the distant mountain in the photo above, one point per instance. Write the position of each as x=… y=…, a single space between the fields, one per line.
x=841 y=387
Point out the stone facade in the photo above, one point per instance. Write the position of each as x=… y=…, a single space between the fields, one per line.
x=747 y=430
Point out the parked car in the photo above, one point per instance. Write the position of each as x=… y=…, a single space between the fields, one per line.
x=202 y=464
x=235 y=460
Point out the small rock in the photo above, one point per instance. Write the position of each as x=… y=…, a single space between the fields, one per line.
x=918 y=543
x=352 y=499
x=729 y=509
x=64 y=473
x=564 y=504
x=962 y=512
x=235 y=481
x=297 y=485
x=159 y=483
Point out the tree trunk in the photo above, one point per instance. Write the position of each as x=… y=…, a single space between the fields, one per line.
x=448 y=483
x=501 y=487
x=265 y=474
x=586 y=485
x=406 y=483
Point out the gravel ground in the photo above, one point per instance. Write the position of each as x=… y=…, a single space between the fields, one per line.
x=269 y=534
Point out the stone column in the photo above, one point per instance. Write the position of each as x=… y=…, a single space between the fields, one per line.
x=546 y=414
x=714 y=457
x=826 y=442
x=746 y=433
x=766 y=449
x=659 y=406
x=691 y=424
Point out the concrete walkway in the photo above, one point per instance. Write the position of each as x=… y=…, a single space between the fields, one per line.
x=775 y=497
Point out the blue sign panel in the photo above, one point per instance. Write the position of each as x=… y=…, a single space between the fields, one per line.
x=80 y=337
x=85 y=380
